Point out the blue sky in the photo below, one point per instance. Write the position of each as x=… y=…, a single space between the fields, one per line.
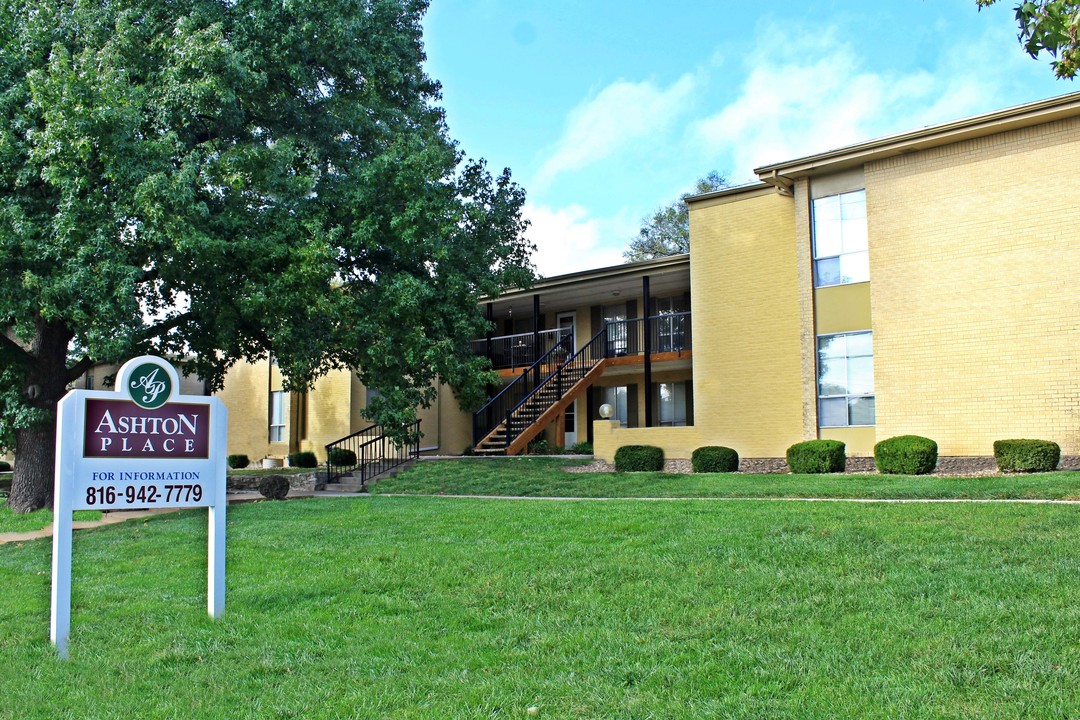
x=606 y=110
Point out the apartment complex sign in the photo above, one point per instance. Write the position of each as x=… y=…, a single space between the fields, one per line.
x=141 y=446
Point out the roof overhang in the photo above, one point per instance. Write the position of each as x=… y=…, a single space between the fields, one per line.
x=782 y=175
x=597 y=286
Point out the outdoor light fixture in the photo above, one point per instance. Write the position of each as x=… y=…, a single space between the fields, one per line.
x=606 y=411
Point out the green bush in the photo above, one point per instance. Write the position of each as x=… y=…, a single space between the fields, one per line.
x=237 y=462
x=816 y=456
x=714 y=459
x=639 y=458
x=274 y=487
x=581 y=448
x=340 y=457
x=5 y=466
x=906 y=455
x=1026 y=455
x=303 y=459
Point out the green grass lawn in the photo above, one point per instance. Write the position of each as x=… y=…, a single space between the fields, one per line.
x=9 y=522
x=541 y=477
x=427 y=608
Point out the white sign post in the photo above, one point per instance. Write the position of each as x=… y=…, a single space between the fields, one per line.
x=141 y=446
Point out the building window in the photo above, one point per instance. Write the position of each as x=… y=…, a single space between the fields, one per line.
x=277 y=416
x=670 y=325
x=846 y=379
x=616 y=398
x=89 y=382
x=840 y=246
x=672 y=405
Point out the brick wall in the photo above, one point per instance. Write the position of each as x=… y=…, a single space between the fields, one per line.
x=974 y=285
x=746 y=323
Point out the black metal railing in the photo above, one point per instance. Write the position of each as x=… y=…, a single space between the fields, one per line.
x=494 y=412
x=368 y=453
x=522 y=349
x=670 y=332
x=522 y=402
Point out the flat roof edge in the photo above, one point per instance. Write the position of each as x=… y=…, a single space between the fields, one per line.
x=1018 y=116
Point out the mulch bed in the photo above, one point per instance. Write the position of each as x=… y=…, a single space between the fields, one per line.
x=946 y=466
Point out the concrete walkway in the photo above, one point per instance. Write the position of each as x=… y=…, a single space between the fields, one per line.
x=243 y=496
x=118 y=516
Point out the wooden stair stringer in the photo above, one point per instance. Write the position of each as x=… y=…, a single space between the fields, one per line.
x=548 y=416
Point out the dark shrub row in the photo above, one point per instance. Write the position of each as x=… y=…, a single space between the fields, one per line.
x=906 y=455
x=639 y=458
x=714 y=459
x=303 y=459
x=900 y=455
x=236 y=462
x=342 y=457
x=816 y=456
x=1026 y=455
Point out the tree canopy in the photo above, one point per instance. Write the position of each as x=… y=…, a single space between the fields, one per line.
x=667 y=232
x=228 y=179
x=1053 y=26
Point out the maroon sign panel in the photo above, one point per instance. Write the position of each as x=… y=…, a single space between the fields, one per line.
x=122 y=429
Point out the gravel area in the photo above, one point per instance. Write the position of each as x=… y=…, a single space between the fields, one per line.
x=946 y=467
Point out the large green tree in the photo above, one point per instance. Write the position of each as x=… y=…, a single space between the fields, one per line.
x=667 y=232
x=1052 y=26
x=226 y=179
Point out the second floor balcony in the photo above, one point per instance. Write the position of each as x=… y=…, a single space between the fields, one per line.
x=665 y=336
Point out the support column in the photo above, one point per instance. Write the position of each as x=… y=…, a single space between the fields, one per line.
x=647 y=332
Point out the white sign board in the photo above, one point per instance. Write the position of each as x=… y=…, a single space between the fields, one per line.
x=141 y=446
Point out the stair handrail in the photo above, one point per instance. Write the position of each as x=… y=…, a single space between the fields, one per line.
x=522 y=379
x=580 y=363
x=360 y=451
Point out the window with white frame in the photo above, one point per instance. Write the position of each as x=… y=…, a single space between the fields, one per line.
x=840 y=244
x=846 y=379
x=277 y=416
x=616 y=398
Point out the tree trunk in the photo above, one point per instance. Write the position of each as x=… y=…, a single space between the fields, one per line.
x=46 y=381
x=35 y=457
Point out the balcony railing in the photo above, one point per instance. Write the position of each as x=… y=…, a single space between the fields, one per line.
x=669 y=333
x=522 y=350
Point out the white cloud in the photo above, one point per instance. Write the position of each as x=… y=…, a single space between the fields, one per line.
x=612 y=121
x=568 y=240
x=827 y=99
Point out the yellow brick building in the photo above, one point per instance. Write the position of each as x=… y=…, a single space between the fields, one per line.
x=923 y=283
x=918 y=284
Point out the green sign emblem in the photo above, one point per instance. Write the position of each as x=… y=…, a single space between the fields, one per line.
x=150 y=386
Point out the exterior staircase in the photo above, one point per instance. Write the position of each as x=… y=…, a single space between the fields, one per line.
x=357 y=481
x=367 y=455
x=525 y=407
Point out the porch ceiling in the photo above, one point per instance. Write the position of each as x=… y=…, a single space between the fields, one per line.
x=573 y=292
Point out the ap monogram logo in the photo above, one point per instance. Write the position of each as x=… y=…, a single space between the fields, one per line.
x=150 y=386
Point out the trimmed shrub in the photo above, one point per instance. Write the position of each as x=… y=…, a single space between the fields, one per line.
x=581 y=448
x=5 y=466
x=342 y=457
x=303 y=459
x=274 y=487
x=237 y=462
x=906 y=455
x=816 y=456
x=714 y=459
x=1026 y=455
x=639 y=458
